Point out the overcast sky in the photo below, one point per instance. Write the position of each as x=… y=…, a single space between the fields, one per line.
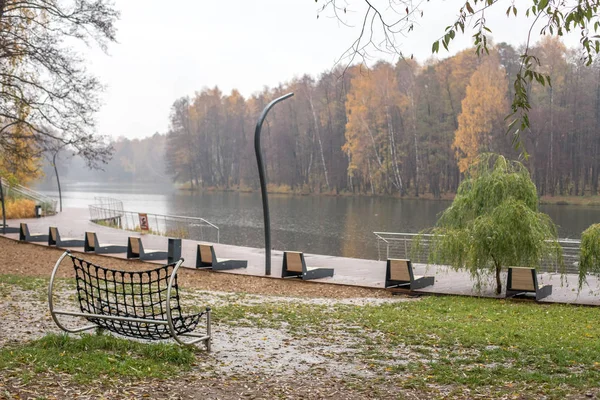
x=166 y=50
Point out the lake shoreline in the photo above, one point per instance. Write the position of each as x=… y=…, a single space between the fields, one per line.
x=587 y=201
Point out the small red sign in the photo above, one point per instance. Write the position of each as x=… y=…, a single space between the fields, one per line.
x=143 y=221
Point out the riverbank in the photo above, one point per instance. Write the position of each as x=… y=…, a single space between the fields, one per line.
x=587 y=201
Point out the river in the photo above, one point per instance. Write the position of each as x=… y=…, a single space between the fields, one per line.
x=338 y=226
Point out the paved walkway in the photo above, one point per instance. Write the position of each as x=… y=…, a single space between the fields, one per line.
x=348 y=271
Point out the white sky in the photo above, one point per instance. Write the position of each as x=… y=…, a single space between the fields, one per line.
x=171 y=49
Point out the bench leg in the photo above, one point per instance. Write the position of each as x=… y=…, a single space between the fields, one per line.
x=318 y=273
x=230 y=264
x=512 y=293
x=543 y=292
x=154 y=256
x=422 y=282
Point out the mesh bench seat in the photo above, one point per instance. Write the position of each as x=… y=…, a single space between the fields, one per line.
x=207 y=258
x=523 y=282
x=294 y=266
x=399 y=274
x=139 y=304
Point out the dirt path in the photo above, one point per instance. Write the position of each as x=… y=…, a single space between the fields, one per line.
x=35 y=260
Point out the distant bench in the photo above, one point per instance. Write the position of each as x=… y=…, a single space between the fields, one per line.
x=206 y=258
x=524 y=281
x=135 y=249
x=92 y=244
x=294 y=266
x=399 y=274
x=26 y=236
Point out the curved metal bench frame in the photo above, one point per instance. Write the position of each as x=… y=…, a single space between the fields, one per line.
x=195 y=338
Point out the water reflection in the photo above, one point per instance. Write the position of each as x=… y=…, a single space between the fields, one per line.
x=341 y=226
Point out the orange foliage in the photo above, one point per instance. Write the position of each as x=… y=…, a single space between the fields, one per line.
x=19 y=208
x=483 y=110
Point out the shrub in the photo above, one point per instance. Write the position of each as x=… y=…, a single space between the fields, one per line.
x=19 y=208
x=589 y=253
x=494 y=222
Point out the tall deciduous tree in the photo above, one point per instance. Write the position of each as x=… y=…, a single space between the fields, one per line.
x=43 y=82
x=381 y=23
x=483 y=110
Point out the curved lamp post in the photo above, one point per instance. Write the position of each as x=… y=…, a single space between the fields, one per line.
x=263 y=183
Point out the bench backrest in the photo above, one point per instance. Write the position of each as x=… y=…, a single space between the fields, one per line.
x=399 y=270
x=91 y=240
x=134 y=247
x=52 y=235
x=524 y=279
x=205 y=255
x=24 y=231
x=294 y=261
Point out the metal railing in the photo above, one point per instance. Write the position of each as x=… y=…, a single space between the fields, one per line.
x=109 y=212
x=48 y=204
x=400 y=245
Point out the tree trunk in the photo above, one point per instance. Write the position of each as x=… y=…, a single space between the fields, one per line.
x=498 y=280
x=318 y=131
x=57 y=181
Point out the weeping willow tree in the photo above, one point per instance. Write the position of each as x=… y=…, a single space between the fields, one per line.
x=494 y=222
x=589 y=253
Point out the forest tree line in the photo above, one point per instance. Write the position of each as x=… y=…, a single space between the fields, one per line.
x=133 y=161
x=406 y=129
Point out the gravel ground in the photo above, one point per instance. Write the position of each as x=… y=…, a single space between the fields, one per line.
x=246 y=362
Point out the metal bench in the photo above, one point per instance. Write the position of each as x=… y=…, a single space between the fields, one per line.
x=294 y=266
x=399 y=274
x=523 y=281
x=135 y=249
x=140 y=304
x=207 y=258
x=25 y=236
x=92 y=244
x=54 y=239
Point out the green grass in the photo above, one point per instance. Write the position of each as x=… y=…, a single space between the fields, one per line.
x=453 y=340
x=39 y=286
x=36 y=285
x=484 y=345
x=94 y=357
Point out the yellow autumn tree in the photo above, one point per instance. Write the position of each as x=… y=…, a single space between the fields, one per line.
x=483 y=110
x=20 y=157
x=372 y=132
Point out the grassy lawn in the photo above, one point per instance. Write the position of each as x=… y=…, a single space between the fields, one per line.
x=456 y=343
x=93 y=357
x=454 y=340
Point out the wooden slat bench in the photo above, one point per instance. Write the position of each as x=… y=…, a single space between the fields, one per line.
x=92 y=244
x=523 y=281
x=135 y=249
x=54 y=239
x=26 y=236
x=399 y=274
x=206 y=258
x=294 y=266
